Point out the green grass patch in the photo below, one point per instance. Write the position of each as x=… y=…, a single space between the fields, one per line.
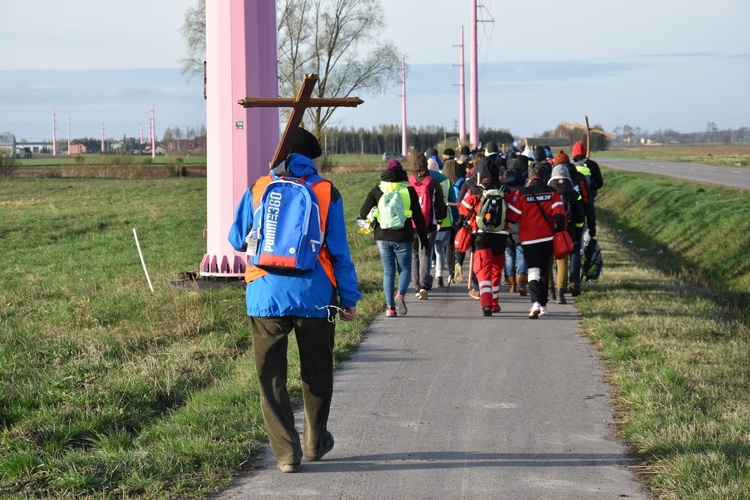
x=107 y=389
x=670 y=317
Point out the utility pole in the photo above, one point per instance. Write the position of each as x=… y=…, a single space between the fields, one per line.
x=474 y=82
x=54 y=132
x=462 y=94
x=404 y=142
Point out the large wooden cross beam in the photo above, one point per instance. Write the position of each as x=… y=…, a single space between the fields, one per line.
x=588 y=132
x=299 y=104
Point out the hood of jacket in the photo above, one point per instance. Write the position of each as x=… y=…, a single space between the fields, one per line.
x=295 y=165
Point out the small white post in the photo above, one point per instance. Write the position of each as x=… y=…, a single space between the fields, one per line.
x=143 y=262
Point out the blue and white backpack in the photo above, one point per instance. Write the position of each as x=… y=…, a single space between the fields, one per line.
x=287 y=232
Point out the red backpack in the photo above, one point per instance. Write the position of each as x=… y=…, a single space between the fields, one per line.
x=425 y=199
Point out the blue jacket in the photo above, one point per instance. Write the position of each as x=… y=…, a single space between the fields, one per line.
x=307 y=294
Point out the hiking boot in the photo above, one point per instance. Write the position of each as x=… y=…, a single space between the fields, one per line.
x=511 y=284
x=328 y=447
x=422 y=294
x=543 y=311
x=288 y=467
x=390 y=312
x=440 y=282
x=474 y=294
x=457 y=276
x=400 y=304
x=522 y=280
x=496 y=309
x=535 y=310
x=560 y=296
x=575 y=289
x=487 y=311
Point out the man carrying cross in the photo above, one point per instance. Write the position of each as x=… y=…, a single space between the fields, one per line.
x=306 y=302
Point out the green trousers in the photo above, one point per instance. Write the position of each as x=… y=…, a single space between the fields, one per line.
x=315 y=337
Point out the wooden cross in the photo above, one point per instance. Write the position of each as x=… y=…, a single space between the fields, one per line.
x=588 y=133
x=299 y=104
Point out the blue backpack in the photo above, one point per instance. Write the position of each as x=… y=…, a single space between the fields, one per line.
x=287 y=233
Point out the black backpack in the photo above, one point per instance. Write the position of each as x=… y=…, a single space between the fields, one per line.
x=592 y=261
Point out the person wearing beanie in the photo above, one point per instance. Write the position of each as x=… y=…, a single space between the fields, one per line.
x=563 y=184
x=395 y=244
x=540 y=213
x=516 y=270
x=582 y=188
x=448 y=154
x=305 y=143
x=488 y=243
x=464 y=160
x=561 y=158
x=432 y=205
x=280 y=302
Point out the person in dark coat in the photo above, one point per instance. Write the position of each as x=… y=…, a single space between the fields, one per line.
x=581 y=185
x=516 y=270
x=561 y=181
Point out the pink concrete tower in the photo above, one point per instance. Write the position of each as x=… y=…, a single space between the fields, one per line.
x=241 y=60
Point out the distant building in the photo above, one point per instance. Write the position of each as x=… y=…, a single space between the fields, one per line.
x=35 y=147
x=77 y=149
x=8 y=144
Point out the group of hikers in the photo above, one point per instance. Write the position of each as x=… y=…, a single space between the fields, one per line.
x=300 y=275
x=502 y=208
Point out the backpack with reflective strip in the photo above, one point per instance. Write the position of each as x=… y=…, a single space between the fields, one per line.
x=592 y=261
x=492 y=211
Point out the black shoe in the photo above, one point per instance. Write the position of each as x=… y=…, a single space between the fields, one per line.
x=440 y=282
x=561 y=296
x=328 y=447
x=487 y=311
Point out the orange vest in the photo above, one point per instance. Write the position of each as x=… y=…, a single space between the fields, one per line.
x=322 y=190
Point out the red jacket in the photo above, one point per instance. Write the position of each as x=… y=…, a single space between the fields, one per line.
x=533 y=227
x=469 y=207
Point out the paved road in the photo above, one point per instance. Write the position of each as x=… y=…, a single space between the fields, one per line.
x=723 y=176
x=446 y=404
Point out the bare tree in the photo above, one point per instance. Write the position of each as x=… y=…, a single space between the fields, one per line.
x=331 y=38
x=194 y=31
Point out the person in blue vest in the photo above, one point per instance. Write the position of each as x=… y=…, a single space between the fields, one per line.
x=304 y=302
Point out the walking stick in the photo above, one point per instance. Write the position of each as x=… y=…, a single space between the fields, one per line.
x=471 y=269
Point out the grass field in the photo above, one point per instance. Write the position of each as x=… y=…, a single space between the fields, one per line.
x=107 y=389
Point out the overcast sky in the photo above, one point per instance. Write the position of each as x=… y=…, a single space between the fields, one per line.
x=654 y=64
